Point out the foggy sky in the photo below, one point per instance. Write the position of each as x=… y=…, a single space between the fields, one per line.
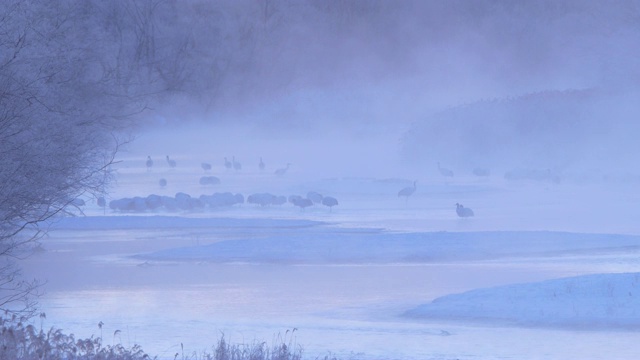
x=447 y=53
x=332 y=71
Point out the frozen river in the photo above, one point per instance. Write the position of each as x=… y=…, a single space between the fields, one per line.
x=351 y=310
x=338 y=308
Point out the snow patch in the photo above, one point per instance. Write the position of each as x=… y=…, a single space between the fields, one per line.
x=586 y=302
x=338 y=245
x=169 y=222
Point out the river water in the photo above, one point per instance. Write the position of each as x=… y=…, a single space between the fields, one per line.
x=350 y=311
x=353 y=311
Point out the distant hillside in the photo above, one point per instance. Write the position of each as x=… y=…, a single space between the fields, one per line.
x=551 y=129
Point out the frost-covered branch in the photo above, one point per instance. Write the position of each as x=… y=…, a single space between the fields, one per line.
x=61 y=118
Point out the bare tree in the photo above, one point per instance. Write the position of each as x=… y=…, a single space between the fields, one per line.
x=63 y=109
x=75 y=75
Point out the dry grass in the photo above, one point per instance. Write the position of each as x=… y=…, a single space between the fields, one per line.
x=21 y=341
x=283 y=348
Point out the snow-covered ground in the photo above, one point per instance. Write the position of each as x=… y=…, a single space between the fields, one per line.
x=589 y=302
x=542 y=271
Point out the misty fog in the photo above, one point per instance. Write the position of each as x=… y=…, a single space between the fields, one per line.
x=479 y=158
x=402 y=85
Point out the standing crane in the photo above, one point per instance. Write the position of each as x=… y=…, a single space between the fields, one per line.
x=282 y=171
x=236 y=164
x=408 y=191
x=171 y=162
x=463 y=212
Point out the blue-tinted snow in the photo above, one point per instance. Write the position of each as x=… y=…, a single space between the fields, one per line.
x=586 y=302
x=171 y=222
x=350 y=246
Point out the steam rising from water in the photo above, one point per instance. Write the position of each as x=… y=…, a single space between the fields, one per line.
x=390 y=89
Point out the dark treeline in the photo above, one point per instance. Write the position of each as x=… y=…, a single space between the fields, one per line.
x=220 y=55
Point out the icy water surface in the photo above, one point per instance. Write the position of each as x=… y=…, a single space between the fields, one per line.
x=339 y=308
x=351 y=310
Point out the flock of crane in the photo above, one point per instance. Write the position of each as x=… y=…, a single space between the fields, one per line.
x=184 y=201
x=265 y=199
x=234 y=164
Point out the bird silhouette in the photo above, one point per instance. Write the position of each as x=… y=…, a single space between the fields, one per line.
x=408 y=191
x=261 y=165
x=282 y=171
x=171 y=162
x=205 y=166
x=293 y=198
x=236 y=164
x=444 y=171
x=302 y=203
x=228 y=164
x=149 y=163
x=315 y=197
x=264 y=199
x=463 y=212
x=329 y=201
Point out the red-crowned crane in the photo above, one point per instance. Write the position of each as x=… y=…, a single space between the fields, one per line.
x=463 y=212
x=329 y=201
x=282 y=171
x=408 y=191
x=171 y=162
x=236 y=164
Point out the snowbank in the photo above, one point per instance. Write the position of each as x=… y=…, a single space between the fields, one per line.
x=328 y=244
x=170 y=222
x=593 y=301
x=586 y=302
